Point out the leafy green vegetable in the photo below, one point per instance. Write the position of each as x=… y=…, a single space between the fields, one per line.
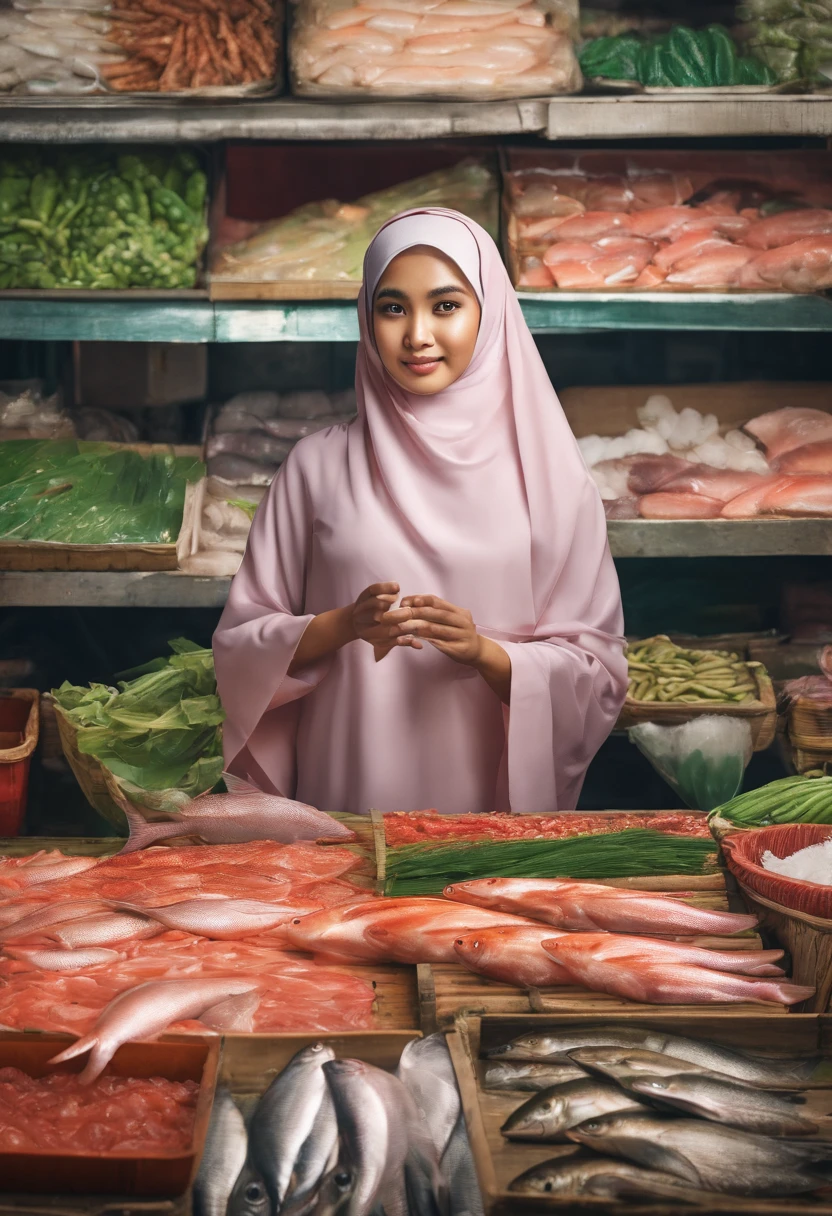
x=425 y=869
x=683 y=58
x=91 y=493
x=802 y=799
x=160 y=732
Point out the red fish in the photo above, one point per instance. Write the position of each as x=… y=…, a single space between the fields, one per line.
x=579 y=906
x=511 y=954
x=660 y=223
x=743 y=962
x=659 y=982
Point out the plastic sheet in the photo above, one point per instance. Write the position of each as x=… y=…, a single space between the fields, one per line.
x=702 y=760
x=469 y=49
x=794 y=37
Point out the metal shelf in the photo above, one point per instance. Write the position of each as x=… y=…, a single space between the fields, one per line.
x=628 y=538
x=335 y=321
x=584 y=117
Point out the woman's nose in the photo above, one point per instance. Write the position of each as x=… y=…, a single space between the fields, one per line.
x=419 y=332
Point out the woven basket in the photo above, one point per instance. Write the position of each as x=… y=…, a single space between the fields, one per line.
x=89 y=773
x=744 y=850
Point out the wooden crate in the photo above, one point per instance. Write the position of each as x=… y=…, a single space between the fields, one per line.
x=498 y=1161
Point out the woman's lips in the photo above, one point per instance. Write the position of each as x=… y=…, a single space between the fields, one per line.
x=423 y=367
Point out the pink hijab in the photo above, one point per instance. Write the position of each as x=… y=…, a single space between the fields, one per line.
x=479 y=495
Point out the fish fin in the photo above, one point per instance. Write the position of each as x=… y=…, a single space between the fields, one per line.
x=142 y=833
x=75 y=1049
x=238 y=786
x=669 y=1161
x=234 y=1014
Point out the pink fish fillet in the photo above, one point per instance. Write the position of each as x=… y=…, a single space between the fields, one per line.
x=665 y=983
x=749 y=504
x=721 y=484
x=62 y=960
x=241 y=815
x=810 y=458
x=593 y=225
x=804 y=266
x=688 y=244
x=534 y=274
x=716 y=267
x=660 y=223
x=801 y=495
x=579 y=906
x=788 y=227
x=148 y=1010
x=614 y=946
x=512 y=955
x=780 y=431
x=675 y=505
x=218 y=918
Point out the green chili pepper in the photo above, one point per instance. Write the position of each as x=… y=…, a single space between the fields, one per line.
x=196 y=190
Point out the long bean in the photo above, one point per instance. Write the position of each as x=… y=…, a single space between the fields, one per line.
x=661 y=671
x=799 y=799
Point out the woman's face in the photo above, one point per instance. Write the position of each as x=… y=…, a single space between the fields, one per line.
x=426 y=318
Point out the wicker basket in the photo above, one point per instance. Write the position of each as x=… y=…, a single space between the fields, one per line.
x=761 y=713
x=89 y=772
x=809 y=735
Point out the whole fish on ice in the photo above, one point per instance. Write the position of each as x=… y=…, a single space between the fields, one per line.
x=148 y=1010
x=580 y=906
x=243 y=814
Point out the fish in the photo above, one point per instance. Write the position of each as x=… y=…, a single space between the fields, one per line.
x=718 y=266
x=234 y=1015
x=223 y=1157
x=743 y=962
x=145 y=1011
x=317 y=1157
x=36 y=873
x=679 y=505
x=689 y=244
x=530 y=1077
x=423 y=1189
x=780 y=431
x=548 y=1115
x=660 y=223
x=808 y=458
x=800 y=494
x=801 y=267
x=460 y=1171
x=593 y=225
x=218 y=918
x=511 y=954
x=243 y=814
x=626 y=1064
x=601 y=1176
x=725 y=1102
x=710 y=1156
x=557 y=1045
x=788 y=227
x=284 y=1119
x=425 y=1069
x=580 y=906
x=249 y=1196
x=659 y=982
x=62 y=960
x=719 y=484
x=103 y=930
x=53 y=914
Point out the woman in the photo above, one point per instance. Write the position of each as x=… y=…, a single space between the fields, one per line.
x=459 y=487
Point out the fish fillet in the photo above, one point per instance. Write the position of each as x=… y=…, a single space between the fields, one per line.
x=716 y=267
x=788 y=227
x=676 y=505
x=809 y=458
x=804 y=266
x=720 y=484
x=780 y=431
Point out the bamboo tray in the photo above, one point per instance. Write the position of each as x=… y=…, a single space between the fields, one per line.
x=498 y=1161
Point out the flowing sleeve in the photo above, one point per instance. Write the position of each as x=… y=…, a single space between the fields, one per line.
x=258 y=635
x=568 y=683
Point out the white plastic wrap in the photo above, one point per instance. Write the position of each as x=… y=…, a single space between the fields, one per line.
x=467 y=49
x=702 y=760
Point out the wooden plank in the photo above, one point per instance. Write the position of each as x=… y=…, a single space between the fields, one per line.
x=668 y=117
x=719 y=537
x=94 y=589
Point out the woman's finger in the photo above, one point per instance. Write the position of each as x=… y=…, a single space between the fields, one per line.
x=395 y=616
x=414 y=642
x=430 y=629
x=442 y=616
x=380 y=589
x=429 y=601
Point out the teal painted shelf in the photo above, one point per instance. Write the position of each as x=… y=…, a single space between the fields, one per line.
x=197 y=320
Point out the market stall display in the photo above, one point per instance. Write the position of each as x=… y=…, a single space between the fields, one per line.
x=434 y=49
x=669 y=1111
x=663 y=221
x=802 y=799
x=318 y=249
x=681 y=58
x=806 y=703
x=91 y=219
x=794 y=39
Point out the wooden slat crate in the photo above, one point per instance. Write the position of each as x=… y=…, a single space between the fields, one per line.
x=498 y=1161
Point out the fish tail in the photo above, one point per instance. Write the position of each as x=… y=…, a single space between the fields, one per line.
x=75 y=1049
x=142 y=833
x=790 y=994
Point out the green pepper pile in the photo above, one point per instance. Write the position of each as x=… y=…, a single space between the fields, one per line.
x=101 y=219
x=683 y=58
x=793 y=37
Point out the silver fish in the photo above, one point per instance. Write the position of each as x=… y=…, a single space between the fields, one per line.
x=223 y=1157
x=753 y=1110
x=285 y=1116
x=551 y=1045
x=422 y=1188
x=250 y=1196
x=601 y=1176
x=548 y=1115
x=244 y=813
x=317 y=1157
x=624 y=1064
x=709 y=1156
x=425 y=1068
x=461 y=1174
x=531 y=1077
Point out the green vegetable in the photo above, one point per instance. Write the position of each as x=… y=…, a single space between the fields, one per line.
x=684 y=58
x=792 y=37
x=425 y=869
x=791 y=800
x=159 y=733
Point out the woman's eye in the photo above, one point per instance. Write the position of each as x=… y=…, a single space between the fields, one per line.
x=392 y=310
x=447 y=306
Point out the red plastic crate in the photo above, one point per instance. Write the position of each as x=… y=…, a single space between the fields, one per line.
x=19 y=727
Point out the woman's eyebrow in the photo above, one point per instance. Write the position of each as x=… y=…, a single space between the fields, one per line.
x=391 y=293
x=444 y=291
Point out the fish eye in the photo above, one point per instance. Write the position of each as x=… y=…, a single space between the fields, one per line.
x=592 y=1126
x=296 y=921
x=549 y=1185
x=253 y=1192
x=342 y=1179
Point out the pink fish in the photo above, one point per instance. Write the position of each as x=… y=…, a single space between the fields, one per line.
x=678 y=505
x=810 y=458
x=593 y=225
x=780 y=431
x=579 y=906
x=689 y=244
x=721 y=484
x=44 y=868
x=649 y=278
x=660 y=982
x=62 y=960
x=511 y=954
x=53 y=914
x=611 y=946
x=243 y=814
x=731 y=225
x=803 y=266
x=788 y=227
x=143 y=1012
x=217 y=918
x=660 y=223
x=801 y=495
x=716 y=267
x=103 y=930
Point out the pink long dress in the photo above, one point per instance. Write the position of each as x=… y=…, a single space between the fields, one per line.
x=477 y=494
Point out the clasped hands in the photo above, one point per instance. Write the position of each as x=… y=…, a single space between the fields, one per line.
x=418 y=619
